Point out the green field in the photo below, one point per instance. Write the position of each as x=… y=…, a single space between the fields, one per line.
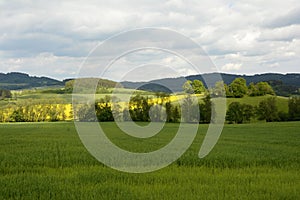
x=250 y=161
x=282 y=102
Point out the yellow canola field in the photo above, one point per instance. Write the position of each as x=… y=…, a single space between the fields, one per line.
x=65 y=111
x=40 y=112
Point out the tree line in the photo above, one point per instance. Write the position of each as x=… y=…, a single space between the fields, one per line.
x=49 y=112
x=103 y=85
x=140 y=110
x=266 y=110
x=144 y=109
x=236 y=89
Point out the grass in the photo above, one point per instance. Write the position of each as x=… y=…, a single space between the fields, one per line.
x=282 y=102
x=250 y=161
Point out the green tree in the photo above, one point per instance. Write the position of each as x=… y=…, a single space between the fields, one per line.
x=157 y=113
x=267 y=110
x=1 y=116
x=190 y=110
x=260 y=89
x=162 y=97
x=187 y=87
x=103 y=109
x=235 y=113
x=228 y=91
x=168 y=107
x=220 y=89
x=69 y=86
x=294 y=108
x=172 y=112
x=18 y=115
x=238 y=87
x=206 y=109
x=44 y=112
x=239 y=113
x=54 y=115
x=126 y=115
x=175 y=114
x=252 y=90
x=264 y=88
x=198 y=87
x=283 y=116
x=86 y=113
x=62 y=113
x=248 y=112
x=139 y=108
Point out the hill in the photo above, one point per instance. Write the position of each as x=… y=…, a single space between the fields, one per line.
x=283 y=84
x=17 y=80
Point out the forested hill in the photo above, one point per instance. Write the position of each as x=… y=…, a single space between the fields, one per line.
x=283 y=84
x=17 y=80
x=287 y=79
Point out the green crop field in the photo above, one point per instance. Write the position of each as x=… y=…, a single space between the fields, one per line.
x=250 y=161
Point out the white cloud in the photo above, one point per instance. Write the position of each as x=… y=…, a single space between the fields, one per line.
x=286 y=33
x=232 y=66
x=274 y=65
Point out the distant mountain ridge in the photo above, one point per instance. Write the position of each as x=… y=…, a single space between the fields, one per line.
x=287 y=79
x=18 y=80
x=284 y=84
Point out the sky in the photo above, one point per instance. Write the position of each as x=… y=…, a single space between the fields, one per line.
x=53 y=38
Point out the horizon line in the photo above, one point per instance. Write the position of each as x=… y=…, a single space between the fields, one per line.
x=227 y=73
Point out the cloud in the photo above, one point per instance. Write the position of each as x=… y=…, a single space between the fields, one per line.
x=44 y=64
x=287 y=33
x=256 y=32
x=232 y=66
x=292 y=17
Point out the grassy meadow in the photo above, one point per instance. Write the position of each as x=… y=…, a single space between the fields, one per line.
x=282 y=102
x=250 y=161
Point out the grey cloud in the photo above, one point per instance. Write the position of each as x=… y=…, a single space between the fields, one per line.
x=291 y=18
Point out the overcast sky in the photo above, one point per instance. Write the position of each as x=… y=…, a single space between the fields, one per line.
x=52 y=38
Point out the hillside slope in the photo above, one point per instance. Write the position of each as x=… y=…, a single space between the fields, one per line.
x=17 y=80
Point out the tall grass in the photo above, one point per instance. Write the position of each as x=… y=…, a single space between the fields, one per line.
x=251 y=161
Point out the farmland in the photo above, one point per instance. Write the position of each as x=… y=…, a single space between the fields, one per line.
x=250 y=161
x=40 y=102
